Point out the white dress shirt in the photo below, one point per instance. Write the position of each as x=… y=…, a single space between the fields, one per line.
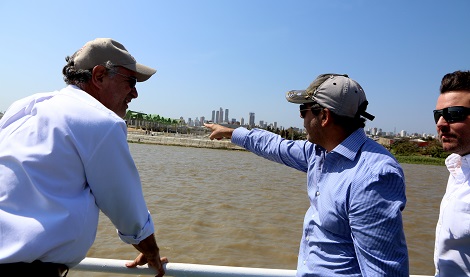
x=63 y=157
x=452 y=247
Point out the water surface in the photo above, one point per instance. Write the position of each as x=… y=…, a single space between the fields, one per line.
x=233 y=208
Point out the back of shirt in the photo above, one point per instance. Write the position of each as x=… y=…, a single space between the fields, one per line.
x=58 y=154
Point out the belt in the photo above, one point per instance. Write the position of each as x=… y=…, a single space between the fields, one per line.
x=36 y=268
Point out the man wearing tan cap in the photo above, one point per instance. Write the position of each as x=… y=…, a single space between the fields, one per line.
x=63 y=158
x=356 y=188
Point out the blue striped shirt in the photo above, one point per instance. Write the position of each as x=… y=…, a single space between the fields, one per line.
x=353 y=226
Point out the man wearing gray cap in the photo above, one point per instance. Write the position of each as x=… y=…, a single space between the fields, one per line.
x=356 y=188
x=64 y=157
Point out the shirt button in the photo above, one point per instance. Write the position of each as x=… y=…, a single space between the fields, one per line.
x=305 y=262
x=318 y=193
x=307 y=238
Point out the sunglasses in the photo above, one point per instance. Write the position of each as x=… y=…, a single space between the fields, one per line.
x=130 y=79
x=315 y=108
x=452 y=114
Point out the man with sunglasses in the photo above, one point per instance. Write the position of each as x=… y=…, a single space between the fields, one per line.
x=64 y=157
x=356 y=188
x=452 y=249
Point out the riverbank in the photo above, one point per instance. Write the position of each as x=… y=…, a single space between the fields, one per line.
x=203 y=141
x=199 y=141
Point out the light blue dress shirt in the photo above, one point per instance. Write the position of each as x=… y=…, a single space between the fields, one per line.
x=357 y=193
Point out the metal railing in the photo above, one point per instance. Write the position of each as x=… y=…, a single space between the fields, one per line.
x=183 y=270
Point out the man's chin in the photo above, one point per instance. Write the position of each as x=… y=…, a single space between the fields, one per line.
x=449 y=147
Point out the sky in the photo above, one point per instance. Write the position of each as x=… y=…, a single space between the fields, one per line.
x=244 y=55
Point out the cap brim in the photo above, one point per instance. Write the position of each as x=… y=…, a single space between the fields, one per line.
x=143 y=72
x=298 y=97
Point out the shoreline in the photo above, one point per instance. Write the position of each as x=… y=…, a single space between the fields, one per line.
x=203 y=141
x=159 y=138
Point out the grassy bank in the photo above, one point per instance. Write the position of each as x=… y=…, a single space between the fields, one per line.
x=420 y=160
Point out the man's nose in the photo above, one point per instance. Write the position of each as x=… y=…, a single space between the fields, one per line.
x=134 y=92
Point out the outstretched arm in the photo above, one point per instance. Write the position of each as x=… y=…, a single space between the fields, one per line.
x=219 y=132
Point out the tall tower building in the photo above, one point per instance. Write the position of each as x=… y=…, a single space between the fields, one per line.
x=252 y=120
x=242 y=121
x=226 y=115
x=221 y=115
x=213 y=116
x=217 y=117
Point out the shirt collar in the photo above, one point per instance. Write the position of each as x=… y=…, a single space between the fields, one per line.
x=350 y=146
x=455 y=161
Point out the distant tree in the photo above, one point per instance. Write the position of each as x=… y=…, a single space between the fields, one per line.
x=434 y=149
x=404 y=147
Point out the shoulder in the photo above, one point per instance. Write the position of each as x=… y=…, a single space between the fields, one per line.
x=374 y=162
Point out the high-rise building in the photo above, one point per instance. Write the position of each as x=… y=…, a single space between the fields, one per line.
x=252 y=120
x=226 y=115
x=213 y=116
x=221 y=115
x=217 y=117
x=242 y=121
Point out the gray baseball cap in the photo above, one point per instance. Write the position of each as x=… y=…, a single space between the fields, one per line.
x=101 y=50
x=337 y=92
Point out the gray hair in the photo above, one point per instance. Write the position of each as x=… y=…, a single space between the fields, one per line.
x=73 y=76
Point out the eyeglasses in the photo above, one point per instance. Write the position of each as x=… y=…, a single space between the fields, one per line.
x=452 y=114
x=315 y=108
x=130 y=79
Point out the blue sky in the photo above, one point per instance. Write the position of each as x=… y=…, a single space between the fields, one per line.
x=245 y=54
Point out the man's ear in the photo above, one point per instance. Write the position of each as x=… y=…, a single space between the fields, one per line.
x=326 y=117
x=98 y=74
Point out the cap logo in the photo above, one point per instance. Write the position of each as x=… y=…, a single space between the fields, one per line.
x=293 y=94
x=346 y=87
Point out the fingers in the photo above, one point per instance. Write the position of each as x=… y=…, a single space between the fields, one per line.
x=131 y=264
x=158 y=265
x=218 y=131
x=213 y=128
x=140 y=260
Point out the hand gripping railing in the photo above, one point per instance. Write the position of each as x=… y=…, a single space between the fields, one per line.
x=183 y=270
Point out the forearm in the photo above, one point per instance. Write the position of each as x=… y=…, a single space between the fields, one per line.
x=148 y=247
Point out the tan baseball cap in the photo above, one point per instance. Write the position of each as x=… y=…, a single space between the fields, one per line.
x=337 y=92
x=101 y=50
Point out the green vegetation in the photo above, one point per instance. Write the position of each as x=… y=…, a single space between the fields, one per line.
x=151 y=122
x=420 y=160
x=289 y=133
x=149 y=118
x=408 y=151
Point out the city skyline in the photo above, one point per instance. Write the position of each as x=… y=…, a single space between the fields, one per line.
x=224 y=113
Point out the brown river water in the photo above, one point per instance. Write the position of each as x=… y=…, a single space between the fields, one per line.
x=233 y=208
